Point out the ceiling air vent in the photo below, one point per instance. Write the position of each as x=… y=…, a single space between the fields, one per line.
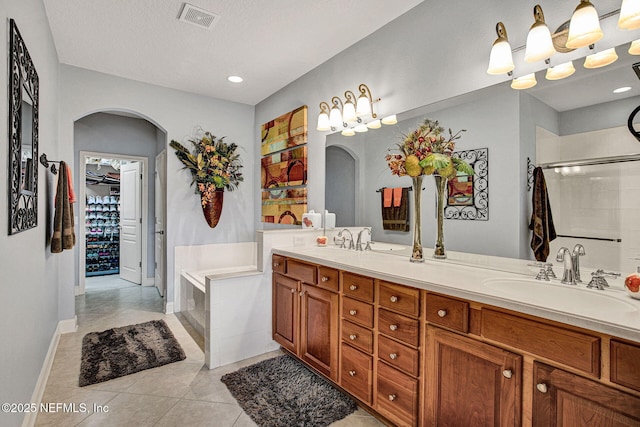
x=197 y=16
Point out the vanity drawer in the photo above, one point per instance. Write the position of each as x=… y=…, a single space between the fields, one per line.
x=301 y=271
x=399 y=298
x=571 y=348
x=278 y=264
x=625 y=364
x=356 y=286
x=399 y=356
x=357 y=311
x=397 y=396
x=356 y=373
x=357 y=336
x=398 y=327
x=328 y=278
x=447 y=312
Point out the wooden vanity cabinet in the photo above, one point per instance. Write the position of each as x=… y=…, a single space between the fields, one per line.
x=470 y=382
x=305 y=317
x=563 y=399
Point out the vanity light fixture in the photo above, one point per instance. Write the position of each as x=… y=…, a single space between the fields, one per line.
x=601 y=59
x=584 y=28
x=524 y=82
x=629 y=15
x=349 y=116
x=560 y=71
x=622 y=89
x=501 y=58
x=539 y=43
x=634 y=49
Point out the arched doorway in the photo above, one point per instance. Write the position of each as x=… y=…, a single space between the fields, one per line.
x=340 y=185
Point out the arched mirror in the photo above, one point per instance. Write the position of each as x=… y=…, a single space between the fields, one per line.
x=23 y=136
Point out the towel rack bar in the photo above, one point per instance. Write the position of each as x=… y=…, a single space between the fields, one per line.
x=45 y=162
x=380 y=190
x=605 y=239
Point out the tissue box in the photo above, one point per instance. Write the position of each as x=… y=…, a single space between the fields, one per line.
x=329 y=220
x=312 y=220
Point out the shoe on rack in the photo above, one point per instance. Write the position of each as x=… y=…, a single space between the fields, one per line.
x=98 y=199
x=92 y=199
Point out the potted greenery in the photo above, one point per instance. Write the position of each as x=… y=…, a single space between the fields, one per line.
x=214 y=166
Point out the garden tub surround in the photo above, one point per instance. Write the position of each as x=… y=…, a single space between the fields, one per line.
x=615 y=313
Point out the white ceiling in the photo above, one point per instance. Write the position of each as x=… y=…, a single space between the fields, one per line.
x=268 y=43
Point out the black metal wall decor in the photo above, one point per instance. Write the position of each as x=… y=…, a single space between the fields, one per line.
x=468 y=196
x=23 y=135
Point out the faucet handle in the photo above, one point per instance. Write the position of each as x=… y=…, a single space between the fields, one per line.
x=597 y=280
x=549 y=270
x=542 y=275
x=339 y=239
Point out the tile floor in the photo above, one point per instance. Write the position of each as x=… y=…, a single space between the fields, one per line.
x=185 y=393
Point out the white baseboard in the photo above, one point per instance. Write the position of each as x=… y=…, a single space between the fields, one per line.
x=64 y=327
x=168 y=308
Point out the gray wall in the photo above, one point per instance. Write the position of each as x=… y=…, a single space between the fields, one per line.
x=115 y=134
x=602 y=116
x=341 y=182
x=29 y=285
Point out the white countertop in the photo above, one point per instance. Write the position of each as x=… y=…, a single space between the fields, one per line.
x=609 y=311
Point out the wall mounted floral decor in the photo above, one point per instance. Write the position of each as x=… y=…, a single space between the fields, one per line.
x=215 y=166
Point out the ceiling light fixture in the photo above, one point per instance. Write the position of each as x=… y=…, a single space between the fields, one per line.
x=235 y=79
x=524 y=82
x=601 y=59
x=622 y=89
x=349 y=116
x=560 y=71
x=539 y=43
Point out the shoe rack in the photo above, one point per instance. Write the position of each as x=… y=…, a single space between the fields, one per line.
x=102 y=215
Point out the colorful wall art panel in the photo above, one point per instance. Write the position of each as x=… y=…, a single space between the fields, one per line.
x=284 y=169
x=286 y=131
x=284 y=206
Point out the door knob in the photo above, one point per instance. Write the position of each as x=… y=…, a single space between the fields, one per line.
x=161 y=232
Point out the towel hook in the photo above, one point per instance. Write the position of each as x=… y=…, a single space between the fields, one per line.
x=45 y=162
x=530 y=167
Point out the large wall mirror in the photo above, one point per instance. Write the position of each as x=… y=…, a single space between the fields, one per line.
x=577 y=120
x=23 y=135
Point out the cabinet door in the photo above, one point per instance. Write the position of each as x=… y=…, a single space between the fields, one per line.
x=319 y=334
x=471 y=383
x=562 y=399
x=286 y=312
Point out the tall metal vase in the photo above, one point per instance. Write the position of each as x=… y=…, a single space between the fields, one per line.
x=416 y=253
x=441 y=201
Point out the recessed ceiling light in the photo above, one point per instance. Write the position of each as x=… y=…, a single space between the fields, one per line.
x=622 y=89
x=235 y=79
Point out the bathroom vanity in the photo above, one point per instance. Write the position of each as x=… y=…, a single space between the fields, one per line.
x=449 y=344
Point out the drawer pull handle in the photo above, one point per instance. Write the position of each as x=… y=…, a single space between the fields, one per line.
x=353 y=312
x=507 y=373
x=352 y=373
x=293 y=291
x=393 y=298
x=276 y=264
x=353 y=287
x=325 y=279
x=392 y=397
x=542 y=387
x=442 y=313
x=393 y=327
x=353 y=337
x=302 y=293
x=393 y=356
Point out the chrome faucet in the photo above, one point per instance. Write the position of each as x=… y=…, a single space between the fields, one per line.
x=578 y=251
x=351 y=244
x=569 y=273
x=359 y=242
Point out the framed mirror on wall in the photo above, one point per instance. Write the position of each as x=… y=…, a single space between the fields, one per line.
x=23 y=135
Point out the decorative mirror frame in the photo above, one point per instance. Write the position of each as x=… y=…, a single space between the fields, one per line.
x=23 y=203
x=478 y=159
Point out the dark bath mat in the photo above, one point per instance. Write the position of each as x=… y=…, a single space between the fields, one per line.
x=282 y=392
x=122 y=351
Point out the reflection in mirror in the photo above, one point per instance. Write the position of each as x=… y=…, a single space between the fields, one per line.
x=576 y=118
x=23 y=136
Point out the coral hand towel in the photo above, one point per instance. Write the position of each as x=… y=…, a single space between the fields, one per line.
x=397 y=196
x=387 y=196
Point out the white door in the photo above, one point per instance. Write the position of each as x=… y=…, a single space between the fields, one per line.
x=131 y=222
x=159 y=225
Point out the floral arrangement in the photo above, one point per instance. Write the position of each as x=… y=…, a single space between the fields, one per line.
x=214 y=164
x=427 y=150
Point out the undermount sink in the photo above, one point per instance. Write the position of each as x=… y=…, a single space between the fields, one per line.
x=558 y=296
x=387 y=247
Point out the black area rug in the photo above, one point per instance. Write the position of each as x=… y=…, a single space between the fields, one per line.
x=122 y=351
x=282 y=392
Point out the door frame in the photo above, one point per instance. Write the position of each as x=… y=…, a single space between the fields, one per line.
x=162 y=156
x=82 y=246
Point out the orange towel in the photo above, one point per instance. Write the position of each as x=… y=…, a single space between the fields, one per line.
x=397 y=196
x=72 y=194
x=387 y=193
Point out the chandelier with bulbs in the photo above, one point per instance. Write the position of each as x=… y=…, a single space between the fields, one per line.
x=581 y=31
